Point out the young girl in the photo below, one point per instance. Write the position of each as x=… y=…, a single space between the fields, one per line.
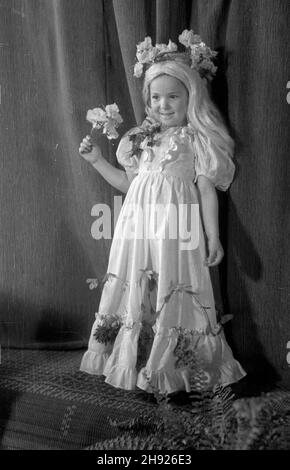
x=157 y=305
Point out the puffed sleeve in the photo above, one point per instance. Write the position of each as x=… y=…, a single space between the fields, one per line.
x=214 y=162
x=125 y=155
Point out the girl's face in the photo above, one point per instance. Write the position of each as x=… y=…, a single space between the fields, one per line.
x=168 y=101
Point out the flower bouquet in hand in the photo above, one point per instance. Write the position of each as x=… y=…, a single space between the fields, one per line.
x=107 y=118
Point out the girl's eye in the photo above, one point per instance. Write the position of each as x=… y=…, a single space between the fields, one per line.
x=173 y=96
x=154 y=97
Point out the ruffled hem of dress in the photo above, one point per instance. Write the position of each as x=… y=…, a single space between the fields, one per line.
x=231 y=373
x=171 y=381
x=117 y=361
x=121 y=377
x=165 y=381
x=94 y=363
x=162 y=380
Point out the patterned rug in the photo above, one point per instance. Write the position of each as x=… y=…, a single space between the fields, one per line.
x=47 y=403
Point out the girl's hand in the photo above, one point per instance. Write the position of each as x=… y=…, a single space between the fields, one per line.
x=91 y=153
x=215 y=252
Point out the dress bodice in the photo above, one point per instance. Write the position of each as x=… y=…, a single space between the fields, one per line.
x=178 y=151
x=172 y=154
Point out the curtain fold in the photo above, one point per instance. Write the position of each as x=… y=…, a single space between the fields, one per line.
x=172 y=16
x=131 y=25
x=258 y=48
x=54 y=72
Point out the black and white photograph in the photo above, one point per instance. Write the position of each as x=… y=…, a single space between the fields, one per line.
x=144 y=228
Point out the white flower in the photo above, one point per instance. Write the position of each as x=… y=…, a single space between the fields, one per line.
x=195 y=55
x=143 y=56
x=152 y=54
x=187 y=37
x=112 y=111
x=96 y=116
x=93 y=283
x=199 y=54
x=100 y=319
x=138 y=70
x=201 y=59
x=171 y=47
x=161 y=47
x=207 y=64
x=146 y=44
x=109 y=129
x=108 y=118
x=196 y=39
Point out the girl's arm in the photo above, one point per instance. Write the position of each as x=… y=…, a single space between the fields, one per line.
x=117 y=178
x=209 y=212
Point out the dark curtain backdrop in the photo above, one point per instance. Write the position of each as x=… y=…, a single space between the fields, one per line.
x=59 y=58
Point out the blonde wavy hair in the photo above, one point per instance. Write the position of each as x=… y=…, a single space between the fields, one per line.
x=202 y=114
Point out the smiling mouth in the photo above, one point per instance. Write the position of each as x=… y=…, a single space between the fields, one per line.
x=166 y=115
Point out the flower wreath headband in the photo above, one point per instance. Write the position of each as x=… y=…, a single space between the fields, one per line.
x=198 y=55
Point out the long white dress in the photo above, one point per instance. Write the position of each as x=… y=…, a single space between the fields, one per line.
x=158 y=291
